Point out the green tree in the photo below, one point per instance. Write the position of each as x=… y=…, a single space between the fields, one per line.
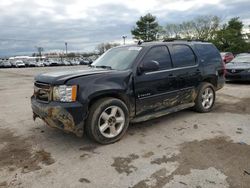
x=230 y=37
x=146 y=28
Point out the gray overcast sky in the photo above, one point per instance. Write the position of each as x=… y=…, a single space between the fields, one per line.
x=85 y=23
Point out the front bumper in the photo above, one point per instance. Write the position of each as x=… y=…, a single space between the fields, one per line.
x=68 y=117
x=244 y=76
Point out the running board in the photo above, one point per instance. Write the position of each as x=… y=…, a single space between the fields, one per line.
x=161 y=113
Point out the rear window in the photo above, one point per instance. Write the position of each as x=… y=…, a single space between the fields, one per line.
x=208 y=53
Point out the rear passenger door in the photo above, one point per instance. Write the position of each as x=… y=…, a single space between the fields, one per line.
x=156 y=90
x=187 y=71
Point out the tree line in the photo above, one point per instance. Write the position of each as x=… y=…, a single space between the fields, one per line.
x=226 y=37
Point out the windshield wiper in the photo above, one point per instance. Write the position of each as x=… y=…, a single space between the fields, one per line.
x=102 y=66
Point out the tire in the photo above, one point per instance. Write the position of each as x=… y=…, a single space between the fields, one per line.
x=107 y=121
x=205 y=98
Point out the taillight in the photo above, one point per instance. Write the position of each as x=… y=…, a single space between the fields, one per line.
x=224 y=68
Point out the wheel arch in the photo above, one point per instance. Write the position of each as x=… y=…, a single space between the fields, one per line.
x=112 y=94
x=211 y=79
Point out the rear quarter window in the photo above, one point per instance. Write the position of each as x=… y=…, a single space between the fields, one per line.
x=209 y=53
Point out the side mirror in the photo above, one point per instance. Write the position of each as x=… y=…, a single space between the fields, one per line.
x=148 y=66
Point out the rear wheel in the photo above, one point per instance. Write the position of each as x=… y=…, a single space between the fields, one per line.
x=107 y=121
x=205 y=99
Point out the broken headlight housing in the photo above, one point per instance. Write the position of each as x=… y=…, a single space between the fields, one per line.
x=64 y=93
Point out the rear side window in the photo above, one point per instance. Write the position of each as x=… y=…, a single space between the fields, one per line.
x=161 y=55
x=208 y=53
x=183 y=56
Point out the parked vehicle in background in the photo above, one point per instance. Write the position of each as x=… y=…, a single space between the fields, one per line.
x=227 y=56
x=31 y=64
x=19 y=64
x=85 y=62
x=129 y=84
x=26 y=63
x=53 y=63
x=39 y=64
x=239 y=68
x=66 y=63
x=46 y=63
x=74 y=62
x=242 y=54
x=5 y=64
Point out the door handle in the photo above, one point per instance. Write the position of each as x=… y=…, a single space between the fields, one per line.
x=171 y=75
x=198 y=71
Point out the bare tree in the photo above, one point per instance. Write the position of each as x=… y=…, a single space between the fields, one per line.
x=103 y=47
x=40 y=50
x=200 y=28
x=173 y=31
x=205 y=27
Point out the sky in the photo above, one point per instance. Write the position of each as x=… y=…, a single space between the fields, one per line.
x=83 y=24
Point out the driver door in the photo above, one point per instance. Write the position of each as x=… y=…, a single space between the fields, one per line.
x=156 y=90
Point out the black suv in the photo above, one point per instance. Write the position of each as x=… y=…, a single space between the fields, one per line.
x=129 y=84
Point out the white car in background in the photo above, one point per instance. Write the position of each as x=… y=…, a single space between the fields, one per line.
x=19 y=64
x=39 y=64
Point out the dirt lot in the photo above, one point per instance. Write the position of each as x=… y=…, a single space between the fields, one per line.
x=185 y=149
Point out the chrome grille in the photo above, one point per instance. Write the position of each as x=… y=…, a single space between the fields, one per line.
x=42 y=91
x=234 y=71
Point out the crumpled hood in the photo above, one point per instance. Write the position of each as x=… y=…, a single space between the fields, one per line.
x=238 y=66
x=60 y=77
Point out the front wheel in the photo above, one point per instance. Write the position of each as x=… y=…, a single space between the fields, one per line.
x=205 y=99
x=107 y=121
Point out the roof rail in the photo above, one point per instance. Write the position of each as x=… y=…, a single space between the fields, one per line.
x=140 y=42
x=187 y=40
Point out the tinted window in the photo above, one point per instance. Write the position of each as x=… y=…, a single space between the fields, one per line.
x=183 y=56
x=208 y=53
x=159 y=54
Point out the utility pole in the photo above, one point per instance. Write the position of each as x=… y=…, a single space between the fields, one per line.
x=124 y=39
x=66 y=46
x=147 y=31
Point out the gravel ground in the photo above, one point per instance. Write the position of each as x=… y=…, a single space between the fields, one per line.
x=184 y=149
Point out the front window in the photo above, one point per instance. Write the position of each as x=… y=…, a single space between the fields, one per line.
x=120 y=58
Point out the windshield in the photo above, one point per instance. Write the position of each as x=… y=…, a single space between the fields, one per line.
x=242 y=59
x=118 y=58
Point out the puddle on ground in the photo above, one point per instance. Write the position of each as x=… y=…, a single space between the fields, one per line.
x=122 y=164
x=227 y=103
x=17 y=153
x=232 y=159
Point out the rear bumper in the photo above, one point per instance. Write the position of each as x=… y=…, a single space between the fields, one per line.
x=65 y=116
x=220 y=83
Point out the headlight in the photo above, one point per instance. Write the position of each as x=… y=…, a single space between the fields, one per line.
x=64 y=93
